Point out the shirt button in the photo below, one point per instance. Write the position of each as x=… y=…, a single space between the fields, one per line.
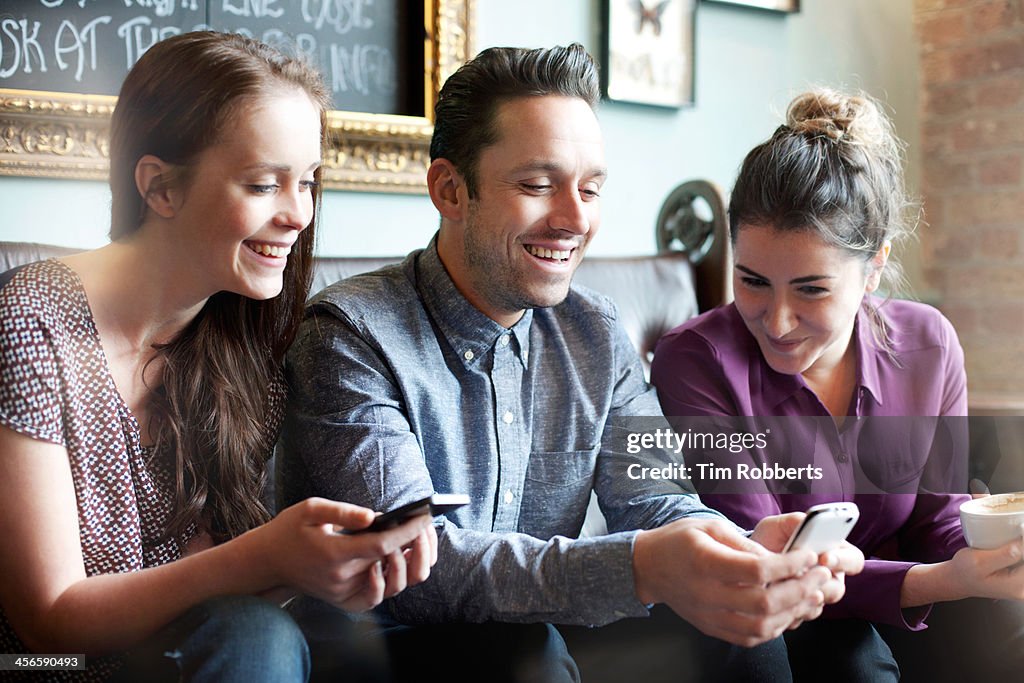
x=503 y=341
x=507 y=418
x=508 y=497
x=468 y=355
x=842 y=457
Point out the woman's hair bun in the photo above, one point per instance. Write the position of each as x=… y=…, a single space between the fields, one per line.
x=854 y=119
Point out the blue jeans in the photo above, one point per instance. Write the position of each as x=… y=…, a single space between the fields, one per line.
x=229 y=639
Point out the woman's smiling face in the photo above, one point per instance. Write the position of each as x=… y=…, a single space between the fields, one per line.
x=250 y=194
x=798 y=296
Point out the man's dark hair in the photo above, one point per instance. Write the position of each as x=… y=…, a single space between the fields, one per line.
x=466 y=109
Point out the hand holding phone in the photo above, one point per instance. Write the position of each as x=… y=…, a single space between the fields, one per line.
x=824 y=527
x=437 y=504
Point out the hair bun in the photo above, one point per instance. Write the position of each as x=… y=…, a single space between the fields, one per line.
x=854 y=119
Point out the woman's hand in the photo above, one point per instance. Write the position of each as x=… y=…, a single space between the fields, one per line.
x=994 y=573
x=972 y=573
x=351 y=571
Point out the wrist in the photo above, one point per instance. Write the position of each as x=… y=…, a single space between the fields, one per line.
x=924 y=584
x=641 y=562
x=251 y=557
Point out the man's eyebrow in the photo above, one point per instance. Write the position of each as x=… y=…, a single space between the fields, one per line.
x=794 y=281
x=552 y=167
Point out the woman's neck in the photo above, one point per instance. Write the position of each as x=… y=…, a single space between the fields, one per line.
x=138 y=296
x=834 y=385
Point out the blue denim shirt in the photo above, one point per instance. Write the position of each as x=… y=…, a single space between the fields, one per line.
x=401 y=388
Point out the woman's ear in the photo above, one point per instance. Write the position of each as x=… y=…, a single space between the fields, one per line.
x=153 y=181
x=876 y=265
x=447 y=189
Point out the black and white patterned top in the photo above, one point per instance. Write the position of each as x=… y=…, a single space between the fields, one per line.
x=56 y=386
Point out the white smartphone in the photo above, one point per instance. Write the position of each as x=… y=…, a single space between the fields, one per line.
x=824 y=527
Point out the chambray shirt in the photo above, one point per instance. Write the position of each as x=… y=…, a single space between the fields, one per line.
x=401 y=388
x=712 y=366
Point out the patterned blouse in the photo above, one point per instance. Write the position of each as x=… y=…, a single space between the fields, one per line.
x=56 y=386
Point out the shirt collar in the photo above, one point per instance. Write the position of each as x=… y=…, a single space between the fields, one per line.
x=469 y=332
x=868 y=354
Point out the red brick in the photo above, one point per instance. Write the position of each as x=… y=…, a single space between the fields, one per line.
x=943 y=29
x=1005 y=56
x=936 y=138
x=941 y=173
x=937 y=67
x=999 y=244
x=1005 y=170
x=956 y=246
x=948 y=100
x=928 y=5
x=937 y=277
x=1000 y=93
x=963 y=316
x=988 y=132
x=971 y=62
x=993 y=16
x=1002 y=319
x=986 y=207
x=976 y=282
x=994 y=364
x=932 y=213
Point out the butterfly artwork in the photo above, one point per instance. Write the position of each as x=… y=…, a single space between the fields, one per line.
x=649 y=15
x=649 y=51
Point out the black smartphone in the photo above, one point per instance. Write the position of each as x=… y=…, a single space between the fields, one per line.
x=824 y=527
x=437 y=504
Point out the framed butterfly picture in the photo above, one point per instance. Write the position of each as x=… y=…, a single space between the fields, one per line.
x=648 y=51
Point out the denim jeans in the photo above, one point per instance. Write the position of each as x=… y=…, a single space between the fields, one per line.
x=231 y=639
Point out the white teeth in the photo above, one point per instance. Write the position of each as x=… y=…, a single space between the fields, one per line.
x=555 y=254
x=269 y=250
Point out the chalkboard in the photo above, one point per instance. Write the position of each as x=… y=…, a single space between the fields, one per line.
x=370 y=51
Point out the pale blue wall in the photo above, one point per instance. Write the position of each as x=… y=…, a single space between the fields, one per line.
x=749 y=63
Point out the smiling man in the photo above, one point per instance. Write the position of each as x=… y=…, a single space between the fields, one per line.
x=477 y=367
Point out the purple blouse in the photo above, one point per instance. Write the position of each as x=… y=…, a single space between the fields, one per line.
x=712 y=366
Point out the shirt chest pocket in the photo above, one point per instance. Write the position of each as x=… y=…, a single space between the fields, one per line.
x=557 y=488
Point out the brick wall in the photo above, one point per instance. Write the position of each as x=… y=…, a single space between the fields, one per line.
x=972 y=176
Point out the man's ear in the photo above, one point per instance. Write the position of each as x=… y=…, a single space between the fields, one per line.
x=153 y=178
x=447 y=189
x=876 y=265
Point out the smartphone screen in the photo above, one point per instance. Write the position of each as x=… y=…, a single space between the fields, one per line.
x=437 y=504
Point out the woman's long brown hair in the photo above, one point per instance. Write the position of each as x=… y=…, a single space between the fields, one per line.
x=220 y=374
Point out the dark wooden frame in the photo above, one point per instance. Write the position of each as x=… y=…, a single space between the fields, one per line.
x=618 y=23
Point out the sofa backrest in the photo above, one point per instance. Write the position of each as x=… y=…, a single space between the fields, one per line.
x=653 y=293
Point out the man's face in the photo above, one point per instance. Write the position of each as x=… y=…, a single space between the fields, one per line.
x=536 y=210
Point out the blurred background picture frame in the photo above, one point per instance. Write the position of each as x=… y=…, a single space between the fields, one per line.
x=648 y=52
x=784 y=6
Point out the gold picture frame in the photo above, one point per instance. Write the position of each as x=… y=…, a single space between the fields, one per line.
x=66 y=135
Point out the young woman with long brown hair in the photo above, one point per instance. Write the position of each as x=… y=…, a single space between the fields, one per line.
x=141 y=390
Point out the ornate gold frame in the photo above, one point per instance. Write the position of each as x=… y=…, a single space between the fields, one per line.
x=66 y=135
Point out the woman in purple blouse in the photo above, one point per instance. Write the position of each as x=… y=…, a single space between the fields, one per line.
x=813 y=215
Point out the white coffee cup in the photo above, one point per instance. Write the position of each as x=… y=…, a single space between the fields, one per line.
x=993 y=521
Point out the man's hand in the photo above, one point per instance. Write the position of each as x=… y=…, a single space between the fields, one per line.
x=727 y=585
x=773 y=532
